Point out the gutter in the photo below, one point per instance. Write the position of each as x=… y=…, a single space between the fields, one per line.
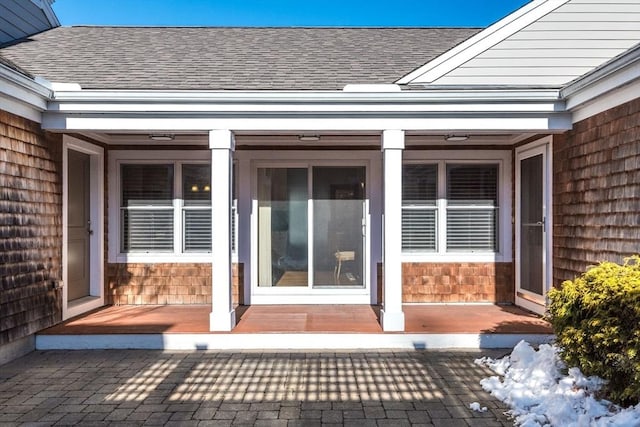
x=618 y=72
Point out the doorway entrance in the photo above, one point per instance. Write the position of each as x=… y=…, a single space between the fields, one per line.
x=82 y=227
x=311 y=233
x=533 y=225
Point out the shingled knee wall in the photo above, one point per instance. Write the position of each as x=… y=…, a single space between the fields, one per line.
x=596 y=201
x=30 y=228
x=167 y=283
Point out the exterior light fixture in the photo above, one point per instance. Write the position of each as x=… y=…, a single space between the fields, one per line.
x=194 y=188
x=207 y=188
x=162 y=137
x=456 y=138
x=309 y=137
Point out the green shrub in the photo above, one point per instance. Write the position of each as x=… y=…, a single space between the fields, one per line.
x=596 y=319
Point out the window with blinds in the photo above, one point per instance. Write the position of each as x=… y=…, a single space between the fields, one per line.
x=196 y=209
x=165 y=208
x=472 y=207
x=461 y=213
x=419 y=196
x=146 y=208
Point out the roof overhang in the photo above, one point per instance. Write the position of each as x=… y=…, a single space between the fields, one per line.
x=485 y=110
x=22 y=95
x=612 y=84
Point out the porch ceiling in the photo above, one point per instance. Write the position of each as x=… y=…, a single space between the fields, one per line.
x=326 y=139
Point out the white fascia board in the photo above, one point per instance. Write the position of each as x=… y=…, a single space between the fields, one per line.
x=185 y=96
x=621 y=71
x=245 y=108
x=481 y=42
x=556 y=122
x=182 y=102
x=21 y=95
x=606 y=101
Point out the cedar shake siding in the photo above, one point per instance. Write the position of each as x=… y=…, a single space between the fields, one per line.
x=457 y=282
x=597 y=191
x=142 y=284
x=30 y=228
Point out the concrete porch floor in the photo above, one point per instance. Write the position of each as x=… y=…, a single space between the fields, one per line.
x=297 y=326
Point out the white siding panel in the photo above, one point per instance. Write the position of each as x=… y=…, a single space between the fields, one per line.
x=21 y=18
x=531 y=61
x=556 y=49
x=547 y=54
x=593 y=34
x=601 y=6
x=534 y=71
x=568 y=45
x=590 y=17
x=514 y=80
x=580 y=26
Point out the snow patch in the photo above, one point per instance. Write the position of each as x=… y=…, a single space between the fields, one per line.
x=475 y=406
x=534 y=385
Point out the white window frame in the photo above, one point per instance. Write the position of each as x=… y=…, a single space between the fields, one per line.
x=177 y=158
x=503 y=159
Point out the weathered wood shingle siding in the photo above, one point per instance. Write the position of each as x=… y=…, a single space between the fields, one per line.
x=597 y=191
x=30 y=227
x=561 y=46
x=20 y=18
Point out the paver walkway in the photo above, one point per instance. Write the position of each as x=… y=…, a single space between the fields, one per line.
x=140 y=387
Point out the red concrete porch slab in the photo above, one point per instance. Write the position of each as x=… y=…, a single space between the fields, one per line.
x=190 y=319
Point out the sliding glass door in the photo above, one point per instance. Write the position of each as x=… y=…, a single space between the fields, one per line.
x=311 y=227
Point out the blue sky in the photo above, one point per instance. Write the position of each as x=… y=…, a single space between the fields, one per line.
x=469 y=13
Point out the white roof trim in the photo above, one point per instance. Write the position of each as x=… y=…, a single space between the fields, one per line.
x=47 y=9
x=482 y=41
x=621 y=70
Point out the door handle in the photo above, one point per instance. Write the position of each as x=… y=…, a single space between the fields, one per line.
x=89 y=230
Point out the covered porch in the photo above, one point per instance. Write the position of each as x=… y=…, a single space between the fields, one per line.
x=381 y=203
x=298 y=327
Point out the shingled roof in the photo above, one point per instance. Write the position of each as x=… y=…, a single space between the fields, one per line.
x=229 y=58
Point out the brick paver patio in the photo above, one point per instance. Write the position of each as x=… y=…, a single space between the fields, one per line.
x=139 y=387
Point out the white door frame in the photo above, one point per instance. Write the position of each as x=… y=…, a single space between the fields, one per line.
x=525 y=298
x=310 y=295
x=96 y=241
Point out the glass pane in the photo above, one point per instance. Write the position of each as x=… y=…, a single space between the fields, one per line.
x=338 y=209
x=472 y=185
x=418 y=229
x=147 y=230
x=196 y=185
x=531 y=227
x=282 y=227
x=471 y=230
x=197 y=230
x=419 y=184
x=147 y=185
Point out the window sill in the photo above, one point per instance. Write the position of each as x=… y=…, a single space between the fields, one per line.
x=455 y=257
x=166 y=258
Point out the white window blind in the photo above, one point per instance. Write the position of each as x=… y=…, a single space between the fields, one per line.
x=146 y=207
x=196 y=193
x=472 y=207
x=419 y=196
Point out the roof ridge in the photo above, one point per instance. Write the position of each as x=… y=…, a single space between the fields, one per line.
x=336 y=27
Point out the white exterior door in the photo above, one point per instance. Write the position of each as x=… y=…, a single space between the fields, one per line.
x=533 y=225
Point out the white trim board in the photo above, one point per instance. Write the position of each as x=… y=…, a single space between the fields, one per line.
x=285 y=341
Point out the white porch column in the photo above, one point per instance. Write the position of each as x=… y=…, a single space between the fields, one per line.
x=391 y=314
x=223 y=316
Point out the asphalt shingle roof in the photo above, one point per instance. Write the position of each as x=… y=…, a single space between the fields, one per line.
x=229 y=58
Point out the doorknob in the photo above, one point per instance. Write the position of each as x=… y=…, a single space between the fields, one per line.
x=89 y=230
